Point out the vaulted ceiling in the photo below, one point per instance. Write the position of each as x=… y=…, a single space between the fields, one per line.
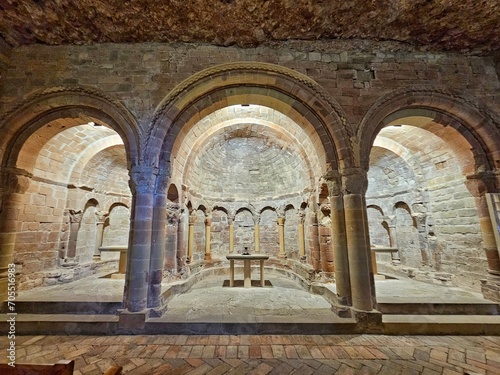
x=470 y=26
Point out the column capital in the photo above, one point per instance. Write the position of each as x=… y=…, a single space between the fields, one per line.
x=15 y=180
x=101 y=216
x=333 y=181
x=208 y=221
x=354 y=181
x=281 y=221
x=172 y=213
x=143 y=179
x=75 y=216
x=481 y=183
x=192 y=218
x=256 y=219
x=302 y=217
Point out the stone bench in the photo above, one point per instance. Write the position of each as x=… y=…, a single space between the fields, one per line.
x=246 y=267
x=122 y=263
x=63 y=367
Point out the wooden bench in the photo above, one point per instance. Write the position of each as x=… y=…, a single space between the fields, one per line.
x=63 y=367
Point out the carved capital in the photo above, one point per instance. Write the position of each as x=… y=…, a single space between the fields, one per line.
x=302 y=217
x=162 y=180
x=15 y=180
x=281 y=221
x=481 y=183
x=173 y=213
x=75 y=216
x=354 y=181
x=334 y=182
x=101 y=215
x=192 y=218
x=143 y=179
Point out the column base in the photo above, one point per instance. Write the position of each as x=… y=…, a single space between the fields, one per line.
x=368 y=321
x=131 y=321
x=490 y=288
x=70 y=262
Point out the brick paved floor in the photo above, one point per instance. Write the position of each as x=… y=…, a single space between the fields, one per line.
x=266 y=354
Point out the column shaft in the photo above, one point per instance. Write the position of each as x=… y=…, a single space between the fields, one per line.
x=340 y=252
x=208 y=223
x=359 y=263
x=231 y=237
x=158 y=243
x=281 y=233
x=257 y=238
x=302 y=245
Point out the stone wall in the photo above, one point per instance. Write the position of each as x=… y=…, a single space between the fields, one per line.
x=141 y=75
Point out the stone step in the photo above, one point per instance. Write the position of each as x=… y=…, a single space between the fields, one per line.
x=436 y=308
x=60 y=324
x=63 y=307
x=441 y=324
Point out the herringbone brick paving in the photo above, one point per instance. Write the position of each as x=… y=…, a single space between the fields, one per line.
x=266 y=354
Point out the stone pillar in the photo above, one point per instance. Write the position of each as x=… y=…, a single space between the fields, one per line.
x=75 y=218
x=171 y=242
x=339 y=241
x=15 y=183
x=479 y=185
x=231 y=234
x=208 y=226
x=158 y=239
x=325 y=247
x=421 y=220
x=281 y=234
x=257 y=234
x=181 y=240
x=100 y=220
x=393 y=242
x=314 y=246
x=354 y=185
x=142 y=185
x=192 y=220
x=302 y=241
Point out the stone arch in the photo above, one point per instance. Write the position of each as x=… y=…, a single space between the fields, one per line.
x=76 y=103
x=253 y=83
x=476 y=124
x=173 y=193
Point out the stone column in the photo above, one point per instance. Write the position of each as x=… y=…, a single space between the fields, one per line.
x=479 y=185
x=208 y=227
x=181 y=240
x=281 y=234
x=192 y=220
x=421 y=220
x=339 y=241
x=302 y=241
x=100 y=220
x=15 y=183
x=314 y=246
x=325 y=231
x=354 y=185
x=158 y=239
x=171 y=243
x=257 y=233
x=231 y=234
x=142 y=185
x=393 y=241
x=75 y=218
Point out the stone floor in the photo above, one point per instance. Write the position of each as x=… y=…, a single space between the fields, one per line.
x=266 y=354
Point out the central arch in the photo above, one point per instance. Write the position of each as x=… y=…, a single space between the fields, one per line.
x=321 y=136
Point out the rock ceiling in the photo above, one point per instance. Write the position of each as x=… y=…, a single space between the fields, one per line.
x=471 y=26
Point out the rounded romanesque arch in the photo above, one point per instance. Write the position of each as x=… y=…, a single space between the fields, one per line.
x=49 y=142
x=285 y=90
x=475 y=123
x=439 y=152
x=76 y=105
